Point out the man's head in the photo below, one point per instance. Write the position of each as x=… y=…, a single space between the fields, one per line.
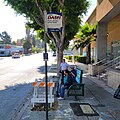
x=72 y=67
x=66 y=72
x=63 y=60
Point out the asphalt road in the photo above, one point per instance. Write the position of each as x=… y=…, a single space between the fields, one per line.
x=16 y=76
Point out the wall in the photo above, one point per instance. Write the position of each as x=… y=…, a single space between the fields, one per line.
x=113 y=79
x=92 y=18
x=113 y=29
x=114 y=2
x=104 y=7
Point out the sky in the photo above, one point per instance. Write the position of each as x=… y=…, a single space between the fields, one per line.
x=93 y=4
x=14 y=24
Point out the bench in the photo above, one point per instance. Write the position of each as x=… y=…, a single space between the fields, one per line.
x=77 y=89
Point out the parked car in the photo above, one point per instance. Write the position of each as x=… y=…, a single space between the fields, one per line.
x=54 y=54
x=16 y=55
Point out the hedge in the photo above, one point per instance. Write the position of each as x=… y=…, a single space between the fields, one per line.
x=81 y=59
x=68 y=57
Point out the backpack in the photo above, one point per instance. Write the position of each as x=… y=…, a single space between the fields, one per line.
x=117 y=93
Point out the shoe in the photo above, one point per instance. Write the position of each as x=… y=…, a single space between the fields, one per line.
x=57 y=95
x=60 y=98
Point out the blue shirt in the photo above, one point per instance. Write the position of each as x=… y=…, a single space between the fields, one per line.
x=65 y=79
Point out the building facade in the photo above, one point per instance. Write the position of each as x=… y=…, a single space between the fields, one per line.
x=8 y=50
x=107 y=44
x=107 y=13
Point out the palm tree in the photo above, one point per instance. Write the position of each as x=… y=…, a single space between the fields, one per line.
x=84 y=38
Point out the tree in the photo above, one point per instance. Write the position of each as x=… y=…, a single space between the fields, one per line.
x=84 y=37
x=6 y=39
x=71 y=10
x=27 y=46
x=33 y=41
x=13 y=42
x=51 y=45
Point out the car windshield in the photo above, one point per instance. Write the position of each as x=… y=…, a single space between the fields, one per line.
x=16 y=54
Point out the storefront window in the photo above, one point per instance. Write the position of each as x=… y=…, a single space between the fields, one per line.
x=116 y=49
x=109 y=51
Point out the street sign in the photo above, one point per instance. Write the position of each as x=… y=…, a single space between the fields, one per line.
x=54 y=21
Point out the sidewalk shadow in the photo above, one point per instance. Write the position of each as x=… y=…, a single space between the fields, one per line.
x=41 y=69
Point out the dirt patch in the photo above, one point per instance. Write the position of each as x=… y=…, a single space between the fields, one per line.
x=42 y=106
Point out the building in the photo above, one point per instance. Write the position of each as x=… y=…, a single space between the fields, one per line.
x=8 y=50
x=19 y=42
x=107 y=44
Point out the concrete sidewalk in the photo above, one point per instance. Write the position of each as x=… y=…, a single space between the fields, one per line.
x=97 y=94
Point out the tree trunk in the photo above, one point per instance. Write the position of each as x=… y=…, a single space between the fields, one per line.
x=59 y=59
x=81 y=51
x=88 y=54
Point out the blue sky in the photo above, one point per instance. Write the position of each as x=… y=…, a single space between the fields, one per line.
x=93 y=4
x=15 y=25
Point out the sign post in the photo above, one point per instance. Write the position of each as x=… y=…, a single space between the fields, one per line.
x=45 y=57
x=52 y=23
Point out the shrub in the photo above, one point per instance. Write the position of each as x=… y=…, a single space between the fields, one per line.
x=36 y=50
x=93 y=60
x=68 y=57
x=81 y=59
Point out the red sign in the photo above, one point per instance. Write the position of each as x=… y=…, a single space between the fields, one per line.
x=7 y=47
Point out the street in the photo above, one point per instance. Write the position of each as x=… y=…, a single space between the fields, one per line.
x=16 y=76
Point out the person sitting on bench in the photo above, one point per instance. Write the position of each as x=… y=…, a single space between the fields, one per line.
x=73 y=74
x=65 y=84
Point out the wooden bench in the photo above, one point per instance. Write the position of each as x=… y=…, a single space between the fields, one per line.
x=76 y=89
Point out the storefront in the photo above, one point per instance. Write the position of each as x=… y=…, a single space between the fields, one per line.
x=116 y=48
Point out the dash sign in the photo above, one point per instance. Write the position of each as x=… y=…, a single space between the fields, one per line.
x=54 y=21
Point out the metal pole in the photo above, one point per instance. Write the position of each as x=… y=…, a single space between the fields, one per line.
x=46 y=58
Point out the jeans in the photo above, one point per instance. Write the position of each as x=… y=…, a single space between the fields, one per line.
x=62 y=90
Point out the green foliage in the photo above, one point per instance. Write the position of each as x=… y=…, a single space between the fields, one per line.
x=27 y=45
x=68 y=57
x=14 y=42
x=33 y=49
x=51 y=45
x=33 y=41
x=40 y=34
x=6 y=39
x=36 y=50
x=93 y=60
x=81 y=59
x=72 y=11
x=86 y=35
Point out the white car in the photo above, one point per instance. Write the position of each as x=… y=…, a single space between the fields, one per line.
x=16 y=55
x=54 y=54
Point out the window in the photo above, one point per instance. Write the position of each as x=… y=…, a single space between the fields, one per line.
x=1 y=52
x=1 y=47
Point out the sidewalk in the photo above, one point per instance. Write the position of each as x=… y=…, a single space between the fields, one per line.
x=97 y=95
